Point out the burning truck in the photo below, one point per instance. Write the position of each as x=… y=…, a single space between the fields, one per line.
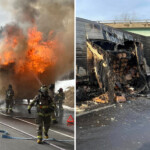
x=110 y=61
x=34 y=47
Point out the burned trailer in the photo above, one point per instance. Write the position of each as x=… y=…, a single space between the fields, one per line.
x=109 y=61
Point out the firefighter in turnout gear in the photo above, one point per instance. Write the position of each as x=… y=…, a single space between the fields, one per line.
x=52 y=94
x=60 y=98
x=9 y=99
x=44 y=106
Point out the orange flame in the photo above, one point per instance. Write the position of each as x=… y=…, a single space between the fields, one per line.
x=8 y=56
x=39 y=54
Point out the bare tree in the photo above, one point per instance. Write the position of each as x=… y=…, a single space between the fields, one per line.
x=127 y=17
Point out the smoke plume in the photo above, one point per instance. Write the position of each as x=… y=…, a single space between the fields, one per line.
x=38 y=46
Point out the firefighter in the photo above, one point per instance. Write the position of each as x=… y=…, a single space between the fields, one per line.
x=60 y=98
x=9 y=99
x=52 y=94
x=44 y=106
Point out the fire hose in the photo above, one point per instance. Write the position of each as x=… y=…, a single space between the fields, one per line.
x=7 y=136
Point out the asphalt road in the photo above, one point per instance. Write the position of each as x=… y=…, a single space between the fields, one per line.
x=26 y=128
x=124 y=127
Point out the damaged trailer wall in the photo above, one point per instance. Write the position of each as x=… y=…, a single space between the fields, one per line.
x=82 y=26
x=86 y=29
x=121 y=69
x=102 y=70
x=110 y=58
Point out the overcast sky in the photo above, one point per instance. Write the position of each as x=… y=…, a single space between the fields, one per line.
x=112 y=9
x=101 y=10
x=5 y=16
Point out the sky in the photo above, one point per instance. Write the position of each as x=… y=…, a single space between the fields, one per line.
x=103 y=10
x=5 y=16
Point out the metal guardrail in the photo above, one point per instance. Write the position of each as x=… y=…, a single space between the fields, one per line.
x=124 y=21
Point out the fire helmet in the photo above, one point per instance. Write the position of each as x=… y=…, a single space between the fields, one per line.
x=43 y=89
x=60 y=90
x=10 y=86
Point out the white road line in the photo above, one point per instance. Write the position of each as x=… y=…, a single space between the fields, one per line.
x=31 y=135
x=4 y=114
x=94 y=110
x=57 y=146
x=49 y=129
x=68 y=108
x=17 y=129
x=36 y=125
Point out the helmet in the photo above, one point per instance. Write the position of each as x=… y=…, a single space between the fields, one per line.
x=60 y=90
x=10 y=86
x=44 y=90
x=51 y=86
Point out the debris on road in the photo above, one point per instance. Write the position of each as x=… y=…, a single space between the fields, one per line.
x=102 y=98
x=120 y=99
x=112 y=119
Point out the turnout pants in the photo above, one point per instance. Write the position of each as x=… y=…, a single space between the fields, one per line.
x=60 y=105
x=53 y=116
x=9 y=105
x=43 y=123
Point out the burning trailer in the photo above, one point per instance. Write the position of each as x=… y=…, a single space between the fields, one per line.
x=109 y=61
x=34 y=47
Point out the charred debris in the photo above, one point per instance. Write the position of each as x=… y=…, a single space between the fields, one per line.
x=115 y=65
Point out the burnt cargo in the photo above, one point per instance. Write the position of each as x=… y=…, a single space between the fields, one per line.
x=110 y=60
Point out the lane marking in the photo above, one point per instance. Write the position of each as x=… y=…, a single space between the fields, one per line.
x=36 y=125
x=49 y=129
x=56 y=146
x=95 y=110
x=17 y=129
x=4 y=114
x=68 y=108
x=30 y=135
